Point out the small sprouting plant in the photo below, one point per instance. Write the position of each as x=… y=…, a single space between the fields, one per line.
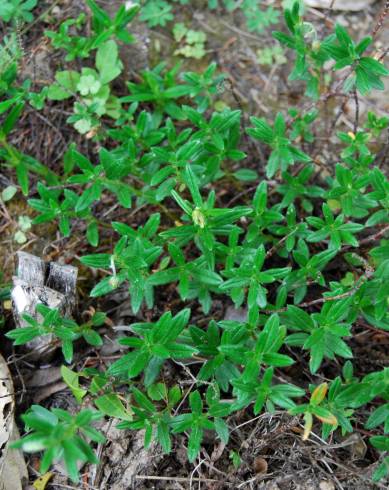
x=17 y=10
x=63 y=330
x=156 y=13
x=60 y=436
x=104 y=29
x=91 y=89
x=258 y=17
x=192 y=43
x=315 y=408
x=284 y=153
x=363 y=72
x=271 y=55
x=24 y=225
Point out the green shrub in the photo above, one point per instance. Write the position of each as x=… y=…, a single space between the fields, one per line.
x=303 y=252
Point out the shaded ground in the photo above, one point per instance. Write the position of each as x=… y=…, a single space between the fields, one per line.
x=270 y=447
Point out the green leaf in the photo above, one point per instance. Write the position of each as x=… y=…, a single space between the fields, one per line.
x=246 y=175
x=374 y=66
x=23 y=335
x=92 y=234
x=195 y=402
x=262 y=130
x=184 y=205
x=380 y=442
x=65 y=86
x=222 y=431
x=115 y=167
x=163 y=437
x=342 y=35
x=378 y=417
x=107 y=62
x=4 y=106
x=8 y=193
x=317 y=354
x=111 y=405
x=93 y=338
x=192 y=184
x=105 y=286
x=22 y=175
x=177 y=91
x=72 y=380
x=97 y=260
x=90 y=195
x=138 y=363
x=277 y=360
x=194 y=442
x=362 y=81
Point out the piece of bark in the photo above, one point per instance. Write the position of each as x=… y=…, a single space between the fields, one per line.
x=31 y=269
x=13 y=470
x=63 y=279
x=352 y=5
x=37 y=282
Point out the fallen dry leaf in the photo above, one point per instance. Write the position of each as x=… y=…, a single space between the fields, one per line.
x=41 y=482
